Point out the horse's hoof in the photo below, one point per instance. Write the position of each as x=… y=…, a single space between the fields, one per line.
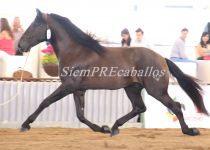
x=115 y=132
x=105 y=129
x=192 y=132
x=195 y=131
x=25 y=129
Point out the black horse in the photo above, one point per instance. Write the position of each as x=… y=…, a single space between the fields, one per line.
x=77 y=52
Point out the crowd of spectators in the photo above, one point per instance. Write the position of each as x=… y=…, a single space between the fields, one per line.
x=178 y=50
x=10 y=35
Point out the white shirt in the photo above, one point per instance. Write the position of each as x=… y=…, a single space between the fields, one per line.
x=141 y=43
x=178 y=49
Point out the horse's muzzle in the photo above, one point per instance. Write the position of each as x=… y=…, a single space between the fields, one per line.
x=20 y=49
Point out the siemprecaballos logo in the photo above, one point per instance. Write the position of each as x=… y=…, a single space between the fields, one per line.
x=193 y=117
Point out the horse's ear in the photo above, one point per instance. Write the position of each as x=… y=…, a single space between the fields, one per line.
x=39 y=13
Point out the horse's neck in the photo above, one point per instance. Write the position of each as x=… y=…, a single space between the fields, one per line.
x=63 y=44
x=58 y=38
x=56 y=50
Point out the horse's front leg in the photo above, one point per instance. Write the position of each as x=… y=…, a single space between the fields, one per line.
x=59 y=93
x=79 y=102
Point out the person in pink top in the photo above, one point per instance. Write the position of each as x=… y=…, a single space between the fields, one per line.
x=6 y=37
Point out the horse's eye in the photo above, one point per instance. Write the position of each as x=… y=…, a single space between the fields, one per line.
x=37 y=24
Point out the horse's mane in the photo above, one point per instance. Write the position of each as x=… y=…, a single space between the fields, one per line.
x=78 y=35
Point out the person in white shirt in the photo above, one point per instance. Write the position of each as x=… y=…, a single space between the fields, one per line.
x=178 y=49
x=140 y=41
x=17 y=32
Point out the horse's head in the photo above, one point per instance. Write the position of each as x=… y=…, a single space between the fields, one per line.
x=36 y=33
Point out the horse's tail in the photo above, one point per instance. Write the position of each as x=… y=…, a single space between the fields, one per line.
x=189 y=85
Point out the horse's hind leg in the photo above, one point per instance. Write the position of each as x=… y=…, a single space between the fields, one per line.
x=79 y=102
x=134 y=94
x=175 y=107
x=59 y=93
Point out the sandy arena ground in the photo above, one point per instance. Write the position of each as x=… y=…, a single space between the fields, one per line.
x=85 y=139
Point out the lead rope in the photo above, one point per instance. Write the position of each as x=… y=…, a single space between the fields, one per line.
x=18 y=88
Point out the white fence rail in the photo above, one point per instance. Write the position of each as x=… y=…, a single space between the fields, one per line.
x=101 y=106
